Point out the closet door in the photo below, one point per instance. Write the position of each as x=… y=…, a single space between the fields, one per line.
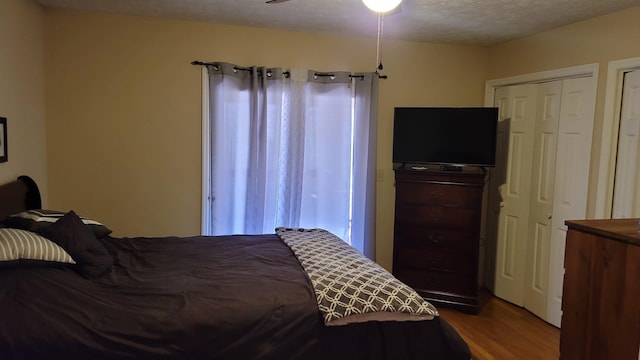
x=571 y=179
x=541 y=182
x=496 y=178
x=511 y=188
x=626 y=193
x=541 y=201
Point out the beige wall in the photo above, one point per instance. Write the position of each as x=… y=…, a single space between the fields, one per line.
x=123 y=108
x=22 y=90
x=600 y=40
x=123 y=102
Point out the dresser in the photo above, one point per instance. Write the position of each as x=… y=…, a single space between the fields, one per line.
x=601 y=290
x=437 y=234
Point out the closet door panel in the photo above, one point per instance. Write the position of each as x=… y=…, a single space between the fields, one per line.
x=513 y=192
x=626 y=198
x=497 y=177
x=542 y=193
x=572 y=178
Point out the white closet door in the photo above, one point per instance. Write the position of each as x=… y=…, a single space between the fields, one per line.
x=496 y=178
x=571 y=180
x=542 y=185
x=517 y=116
x=540 y=180
x=626 y=193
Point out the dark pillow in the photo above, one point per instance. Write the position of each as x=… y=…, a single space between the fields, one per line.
x=38 y=219
x=92 y=259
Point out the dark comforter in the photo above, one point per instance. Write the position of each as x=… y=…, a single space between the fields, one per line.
x=233 y=297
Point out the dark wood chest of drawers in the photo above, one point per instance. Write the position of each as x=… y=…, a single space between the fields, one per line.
x=601 y=296
x=437 y=234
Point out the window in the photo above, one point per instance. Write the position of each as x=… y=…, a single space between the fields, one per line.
x=291 y=151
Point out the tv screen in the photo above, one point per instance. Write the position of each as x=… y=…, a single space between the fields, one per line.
x=445 y=135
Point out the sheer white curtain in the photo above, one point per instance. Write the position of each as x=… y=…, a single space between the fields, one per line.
x=294 y=149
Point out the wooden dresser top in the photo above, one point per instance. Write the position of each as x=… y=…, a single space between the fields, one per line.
x=625 y=230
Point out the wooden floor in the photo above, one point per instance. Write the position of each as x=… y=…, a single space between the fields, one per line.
x=505 y=331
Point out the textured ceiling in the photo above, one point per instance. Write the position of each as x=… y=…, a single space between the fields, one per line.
x=469 y=22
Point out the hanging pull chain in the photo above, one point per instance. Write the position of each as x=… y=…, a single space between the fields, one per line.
x=379 y=46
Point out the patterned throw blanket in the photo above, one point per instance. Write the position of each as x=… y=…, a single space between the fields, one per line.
x=348 y=286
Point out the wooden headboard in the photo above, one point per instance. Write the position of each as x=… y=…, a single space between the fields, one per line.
x=19 y=195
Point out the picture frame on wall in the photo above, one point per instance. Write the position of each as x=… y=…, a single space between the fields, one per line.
x=3 y=140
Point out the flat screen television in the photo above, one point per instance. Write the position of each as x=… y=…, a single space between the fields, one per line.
x=450 y=136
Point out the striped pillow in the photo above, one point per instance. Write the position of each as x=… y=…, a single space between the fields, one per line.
x=16 y=244
x=37 y=220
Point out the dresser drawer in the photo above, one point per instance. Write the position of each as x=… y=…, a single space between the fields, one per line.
x=441 y=194
x=452 y=260
x=435 y=237
x=436 y=215
x=438 y=281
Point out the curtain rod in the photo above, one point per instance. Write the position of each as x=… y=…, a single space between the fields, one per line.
x=286 y=73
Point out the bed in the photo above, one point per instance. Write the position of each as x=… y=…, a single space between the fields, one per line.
x=95 y=296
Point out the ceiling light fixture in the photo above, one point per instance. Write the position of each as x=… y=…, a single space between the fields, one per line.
x=382 y=6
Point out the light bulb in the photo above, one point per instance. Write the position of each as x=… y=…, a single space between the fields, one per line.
x=381 y=6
